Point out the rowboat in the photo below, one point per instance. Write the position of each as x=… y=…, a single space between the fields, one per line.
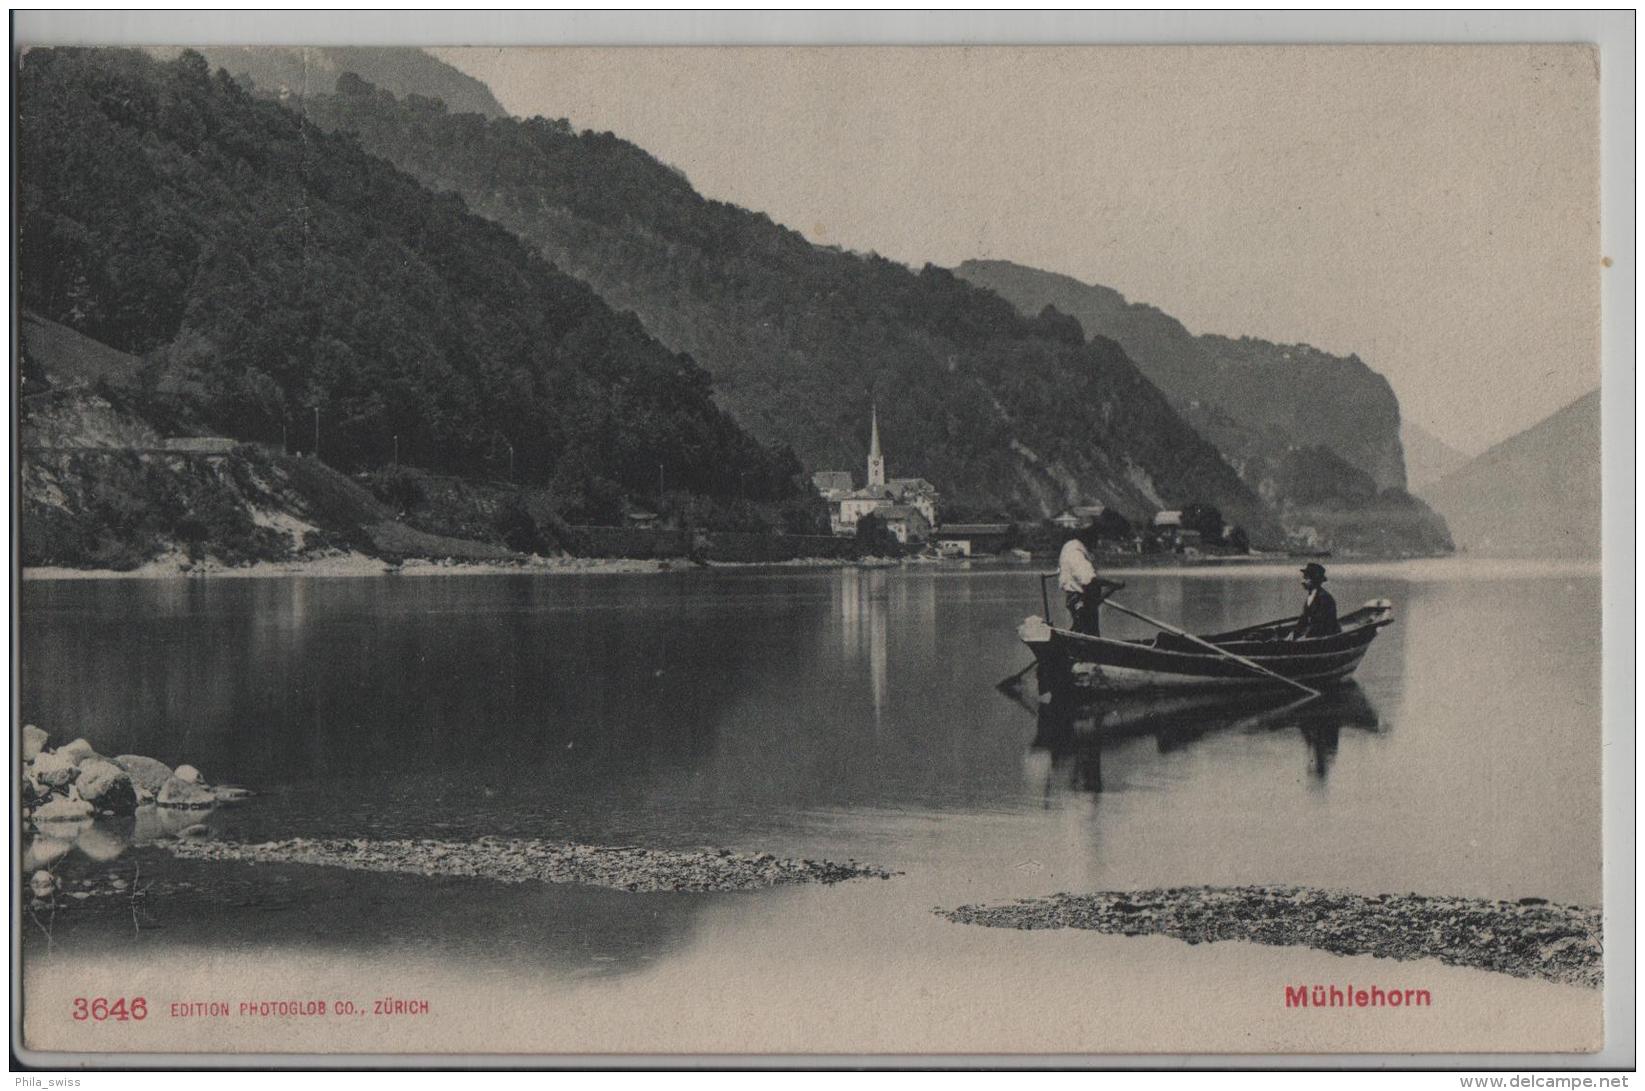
x=1257 y=655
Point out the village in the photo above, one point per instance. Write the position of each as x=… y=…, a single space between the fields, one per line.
x=906 y=510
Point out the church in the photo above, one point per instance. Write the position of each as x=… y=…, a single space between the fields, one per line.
x=907 y=505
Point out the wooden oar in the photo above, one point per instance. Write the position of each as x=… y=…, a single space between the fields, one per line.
x=1224 y=652
x=1006 y=685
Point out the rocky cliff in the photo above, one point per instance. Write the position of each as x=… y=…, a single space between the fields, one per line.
x=1261 y=403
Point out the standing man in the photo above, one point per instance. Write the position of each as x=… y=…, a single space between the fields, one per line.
x=1077 y=576
x=1319 y=609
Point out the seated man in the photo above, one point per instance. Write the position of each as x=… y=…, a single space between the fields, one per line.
x=1319 y=609
x=1077 y=576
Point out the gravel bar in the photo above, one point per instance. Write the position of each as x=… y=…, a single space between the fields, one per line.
x=1529 y=938
x=522 y=861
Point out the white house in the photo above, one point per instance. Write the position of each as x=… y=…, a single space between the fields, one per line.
x=847 y=505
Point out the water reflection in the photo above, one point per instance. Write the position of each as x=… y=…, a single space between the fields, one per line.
x=813 y=712
x=1074 y=730
x=276 y=682
x=861 y=607
x=105 y=838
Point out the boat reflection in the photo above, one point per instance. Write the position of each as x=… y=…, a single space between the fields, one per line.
x=1074 y=731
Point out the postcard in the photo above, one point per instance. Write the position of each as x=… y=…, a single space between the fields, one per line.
x=809 y=551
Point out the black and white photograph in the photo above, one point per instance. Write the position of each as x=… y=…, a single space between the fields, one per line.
x=546 y=550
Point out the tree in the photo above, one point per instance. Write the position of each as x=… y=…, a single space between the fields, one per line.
x=1112 y=525
x=875 y=538
x=155 y=205
x=1202 y=518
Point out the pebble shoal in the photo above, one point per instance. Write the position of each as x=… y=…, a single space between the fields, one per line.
x=1530 y=938
x=639 y=870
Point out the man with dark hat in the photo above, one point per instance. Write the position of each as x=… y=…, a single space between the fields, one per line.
x=1319 y=609
x=1077 y=576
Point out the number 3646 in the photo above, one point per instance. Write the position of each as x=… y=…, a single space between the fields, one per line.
x=100 y=1008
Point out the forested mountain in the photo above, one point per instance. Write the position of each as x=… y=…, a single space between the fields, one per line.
x=264 y=268
x=302 y=70
x=1292 y=392
x=1270 y=409
x=1003 y=412
x=1535 y=494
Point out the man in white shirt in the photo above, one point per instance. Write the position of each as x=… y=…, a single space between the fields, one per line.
x=1083 y=588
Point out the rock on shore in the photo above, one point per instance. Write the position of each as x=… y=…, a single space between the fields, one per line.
x=1529 y=938
x=106 y=786
x=34 y=741
x=68 y=793
x=519 y=861
x=148 y=774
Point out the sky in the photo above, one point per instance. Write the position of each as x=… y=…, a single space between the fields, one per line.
x=1433 y=209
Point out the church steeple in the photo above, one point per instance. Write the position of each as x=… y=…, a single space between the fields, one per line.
x=876 y=461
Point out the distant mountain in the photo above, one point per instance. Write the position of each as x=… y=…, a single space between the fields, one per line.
x=275 y=279
x=305 y=70
x=1002 y=412
x=1535 y=494
x=1297 y=392
x=1427 y=457
x=1261 y=403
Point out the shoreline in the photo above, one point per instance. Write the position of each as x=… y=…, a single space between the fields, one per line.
x=360 y=565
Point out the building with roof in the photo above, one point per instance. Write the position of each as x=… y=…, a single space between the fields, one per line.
x=907 y=522
x=968 y=539
x=847 y=505
x=1078 y=516
x=916 y=492
x=832 y=483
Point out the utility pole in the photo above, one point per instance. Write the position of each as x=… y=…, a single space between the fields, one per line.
x=660 y=489
x=316 y=451
x=285 y=449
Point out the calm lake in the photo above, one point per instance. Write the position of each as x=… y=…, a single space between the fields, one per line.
x=821 y=713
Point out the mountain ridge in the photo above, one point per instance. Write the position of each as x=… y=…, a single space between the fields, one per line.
x=381 y=321
x=1535 y=494
x=302 y=70
x=1226 y=371
x=1427 y=457
x=1004 y=412
x=1265 y=406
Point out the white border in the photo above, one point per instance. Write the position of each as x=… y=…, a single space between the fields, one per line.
x=1613 y=31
